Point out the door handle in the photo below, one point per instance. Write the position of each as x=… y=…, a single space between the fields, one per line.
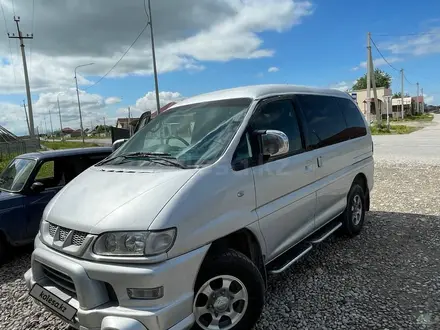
x=319 y=161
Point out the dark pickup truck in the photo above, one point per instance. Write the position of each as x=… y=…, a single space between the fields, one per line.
x=29 y=182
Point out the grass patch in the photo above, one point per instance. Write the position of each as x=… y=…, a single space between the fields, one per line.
x=417 y=117
x=5 y=159
x=394 y=129
x=67 y=145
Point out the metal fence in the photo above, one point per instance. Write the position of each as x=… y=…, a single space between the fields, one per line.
x=11 y=145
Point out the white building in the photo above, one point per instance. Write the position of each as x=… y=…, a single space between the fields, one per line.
x=383 y=98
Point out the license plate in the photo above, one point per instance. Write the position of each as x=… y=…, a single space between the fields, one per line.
x=50 y=300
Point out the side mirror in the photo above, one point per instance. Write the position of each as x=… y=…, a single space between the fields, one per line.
x=274 y=143
x=37 y=187
x=118 y=143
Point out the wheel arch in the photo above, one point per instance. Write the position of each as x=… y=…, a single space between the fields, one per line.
x=245 y=242
x=362 y=180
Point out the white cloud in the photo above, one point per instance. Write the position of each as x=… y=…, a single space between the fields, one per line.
x=428 y=99
x=112 y=100
x=148 y=102
x=341 y=86
x=378 y=62
x=217 y=30
x=425 y=43
x=273 y=69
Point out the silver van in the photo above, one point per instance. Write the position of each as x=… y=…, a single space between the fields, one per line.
x=180 y=227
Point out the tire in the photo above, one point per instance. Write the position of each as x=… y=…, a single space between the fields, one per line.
x=354 y=215
x=223 y=278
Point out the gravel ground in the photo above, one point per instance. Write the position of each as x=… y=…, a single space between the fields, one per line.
x=386 y=278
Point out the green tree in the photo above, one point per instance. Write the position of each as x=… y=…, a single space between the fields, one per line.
x=399 y=95
x=382 y=78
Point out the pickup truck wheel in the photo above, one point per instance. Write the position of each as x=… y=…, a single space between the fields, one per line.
x=229 y=293
x=354 y=214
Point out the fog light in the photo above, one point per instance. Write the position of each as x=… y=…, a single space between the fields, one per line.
x=145 y=294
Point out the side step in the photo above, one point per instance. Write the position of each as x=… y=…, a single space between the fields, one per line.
x=293 y=255
x=323 y=233
x=288 y=258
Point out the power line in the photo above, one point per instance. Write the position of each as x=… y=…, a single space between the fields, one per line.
x=146 y=11
x=407 y=34
x=408 y=80
x=9 y=42
x=377 y=48
x=123 y=55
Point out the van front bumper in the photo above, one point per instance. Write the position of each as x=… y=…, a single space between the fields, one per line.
x=99 y=290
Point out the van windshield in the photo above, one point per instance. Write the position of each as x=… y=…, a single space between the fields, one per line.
x=15 y=176
x=193 y=135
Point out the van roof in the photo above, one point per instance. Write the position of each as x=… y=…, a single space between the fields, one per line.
x=256 y=92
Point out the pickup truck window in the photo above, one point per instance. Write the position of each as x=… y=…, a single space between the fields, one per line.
x=15 y=176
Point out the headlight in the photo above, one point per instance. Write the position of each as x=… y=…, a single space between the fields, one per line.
x=137 y=244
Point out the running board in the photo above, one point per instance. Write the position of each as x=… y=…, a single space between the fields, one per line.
x=322 y=234
x=288 y=258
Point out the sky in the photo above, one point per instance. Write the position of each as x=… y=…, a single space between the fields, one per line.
x=202 y=46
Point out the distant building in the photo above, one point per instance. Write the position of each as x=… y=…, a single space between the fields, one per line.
x=124 y=122
x=360 y=96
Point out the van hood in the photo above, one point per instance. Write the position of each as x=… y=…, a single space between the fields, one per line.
x=105 y=199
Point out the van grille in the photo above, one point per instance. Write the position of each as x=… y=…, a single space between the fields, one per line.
x=60 y=280
x=78 y=237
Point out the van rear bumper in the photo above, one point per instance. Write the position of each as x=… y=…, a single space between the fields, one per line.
x=100 y=290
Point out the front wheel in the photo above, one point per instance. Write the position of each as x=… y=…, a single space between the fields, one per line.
x=229 y=293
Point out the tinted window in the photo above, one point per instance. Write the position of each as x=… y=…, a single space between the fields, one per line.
x=353 y=118
x=280 y=115
x=324 y=118
x=51 y=174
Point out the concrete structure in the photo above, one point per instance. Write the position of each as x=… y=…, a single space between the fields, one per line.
x=360 y=96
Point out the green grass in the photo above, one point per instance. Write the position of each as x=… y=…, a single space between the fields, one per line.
x=394 y=129
x=417 y=117
x=5 y=159
x=67 y=145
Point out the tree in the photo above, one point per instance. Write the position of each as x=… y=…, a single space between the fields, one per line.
x=383 y=79
x=399 y=95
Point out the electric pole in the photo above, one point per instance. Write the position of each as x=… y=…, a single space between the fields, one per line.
x=154 y=57
x=79 y=102
x=417 y=105
x=403 y=109
x=27 y=119
x=59 y=114
x=129 y=126
x=51 y=127
x=26 y=76
x=105 y=128
x=373 y=81
x=368 y=78
x=423 y=102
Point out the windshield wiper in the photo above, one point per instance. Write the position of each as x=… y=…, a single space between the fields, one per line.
x=154 y=157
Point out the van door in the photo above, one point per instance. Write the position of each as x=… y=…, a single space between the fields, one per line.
x=329 y=137
x=285 y=201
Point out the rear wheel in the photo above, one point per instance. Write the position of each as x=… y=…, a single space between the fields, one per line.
x=354 y=214
x=229 y=293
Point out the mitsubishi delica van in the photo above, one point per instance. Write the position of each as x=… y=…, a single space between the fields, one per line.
x=181 y=226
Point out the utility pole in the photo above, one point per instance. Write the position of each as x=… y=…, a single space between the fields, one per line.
x=45 y=125
x=51 y=127
x=79 y=102
x=403 y=109
x=154 y=57
x=26 y=76
x=105 y=128
x=59 y=114
x=417 y=103
x=373 y=81
x=423 y=102
x=27 y=119
x=129 y=126
x=368 y=78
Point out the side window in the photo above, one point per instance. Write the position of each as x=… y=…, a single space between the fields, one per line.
x=243 y=151
x=50 y=174
x=280 y=115
x=324 y=119
x=353 y=118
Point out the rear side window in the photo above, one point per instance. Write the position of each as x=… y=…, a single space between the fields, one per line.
x=353 y=117
x=324 y=119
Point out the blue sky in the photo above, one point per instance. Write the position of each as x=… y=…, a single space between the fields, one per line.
x=323 y=47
